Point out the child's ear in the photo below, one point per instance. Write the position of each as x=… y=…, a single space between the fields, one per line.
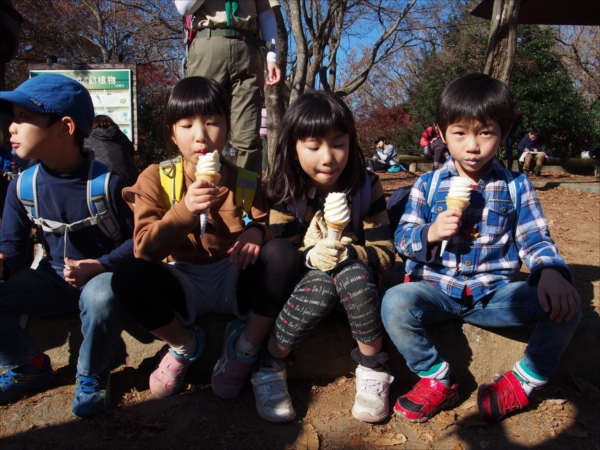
x=67 y=127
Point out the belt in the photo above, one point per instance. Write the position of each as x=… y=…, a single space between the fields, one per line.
x=233 y=33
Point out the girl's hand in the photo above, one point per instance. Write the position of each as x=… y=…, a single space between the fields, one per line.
x=316 y=231
x=246 y=249
x=556 y=293
x=80 y=272
x=327 y=254
x=445 y=226
x=200 y=196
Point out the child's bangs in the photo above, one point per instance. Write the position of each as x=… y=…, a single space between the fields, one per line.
x=316 y=121
x=200 y=103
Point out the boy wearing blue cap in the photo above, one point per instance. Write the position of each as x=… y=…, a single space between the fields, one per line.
x=83 y=240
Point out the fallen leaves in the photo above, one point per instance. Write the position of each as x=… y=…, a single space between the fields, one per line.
x=307 y=439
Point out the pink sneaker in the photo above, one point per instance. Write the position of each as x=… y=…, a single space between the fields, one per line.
x=230 y=371
x=167 y=379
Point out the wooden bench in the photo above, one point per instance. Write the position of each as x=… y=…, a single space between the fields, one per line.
x=577 y=165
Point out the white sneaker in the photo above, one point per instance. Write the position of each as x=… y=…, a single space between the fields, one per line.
x=273 y=401
x=372 y=392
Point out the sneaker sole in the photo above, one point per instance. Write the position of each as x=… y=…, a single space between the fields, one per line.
x=368 y=418
x=444 y=405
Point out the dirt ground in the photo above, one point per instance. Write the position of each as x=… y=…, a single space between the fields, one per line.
x=565 y=415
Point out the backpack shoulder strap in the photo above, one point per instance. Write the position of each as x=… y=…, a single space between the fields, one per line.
x=514 y=189
x=27 y=191
x=245 y=191
x=171 y=181
x=99 y=204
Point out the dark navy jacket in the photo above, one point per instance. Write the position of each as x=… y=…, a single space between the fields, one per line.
x=63 y=198
x=533 y=146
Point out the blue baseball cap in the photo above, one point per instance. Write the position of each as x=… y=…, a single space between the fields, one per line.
x=55 y=94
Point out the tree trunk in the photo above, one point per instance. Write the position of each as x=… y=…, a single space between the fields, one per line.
x=502 y=42
x=275 y=95
x=299 y=80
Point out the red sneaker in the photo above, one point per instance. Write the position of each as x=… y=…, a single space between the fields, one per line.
x=501 y=397
x=427 y=398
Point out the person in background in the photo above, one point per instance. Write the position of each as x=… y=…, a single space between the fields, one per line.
x=531 y=146
x=386 y=157
x=112 y=147
x=227 y=49
x=433 y=146
x=512 y=138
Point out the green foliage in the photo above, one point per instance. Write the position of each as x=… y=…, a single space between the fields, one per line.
x=540 y=83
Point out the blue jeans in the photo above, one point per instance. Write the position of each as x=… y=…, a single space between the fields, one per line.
x=406 y=308
x=44 y=292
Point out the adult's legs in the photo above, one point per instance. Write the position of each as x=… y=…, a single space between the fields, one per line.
x=508 y=149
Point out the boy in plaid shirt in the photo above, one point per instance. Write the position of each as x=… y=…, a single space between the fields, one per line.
x=473 y=278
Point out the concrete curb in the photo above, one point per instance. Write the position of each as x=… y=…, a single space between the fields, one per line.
x=588 y=188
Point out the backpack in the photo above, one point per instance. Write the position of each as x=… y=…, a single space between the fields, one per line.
x=10 y=31
x=172 y=182
x=362 y=198
x=397 y=202
x=99 y=205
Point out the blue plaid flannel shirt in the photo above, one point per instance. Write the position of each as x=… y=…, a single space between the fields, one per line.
x=487 y=251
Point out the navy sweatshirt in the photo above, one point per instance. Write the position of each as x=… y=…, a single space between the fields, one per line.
x=63 y=197
x=533 y=146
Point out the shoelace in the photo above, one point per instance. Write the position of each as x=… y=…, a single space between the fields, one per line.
x=371 y=386
x=507 y=400
x=272 y=386
x=93 y=384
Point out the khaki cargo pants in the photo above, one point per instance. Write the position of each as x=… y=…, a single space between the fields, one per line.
x=237 y=66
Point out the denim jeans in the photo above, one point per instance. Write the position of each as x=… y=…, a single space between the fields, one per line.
x=406 y=308
x=44 y=292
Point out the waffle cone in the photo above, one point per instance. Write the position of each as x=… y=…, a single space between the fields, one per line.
x=210 y=177
x=456 y=203
x=334 y=230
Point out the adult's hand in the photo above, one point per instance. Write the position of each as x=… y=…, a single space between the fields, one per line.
x=274 y=73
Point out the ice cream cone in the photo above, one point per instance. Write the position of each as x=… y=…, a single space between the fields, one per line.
x=211 y=178
x=334 y=230
x=458 y=204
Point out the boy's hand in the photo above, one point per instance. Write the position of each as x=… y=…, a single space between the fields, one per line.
x=274 y=73
x=200 y=196
x=327 y=254
x=564 y=299
x=445 y=226
x=246 y=249
x=78 y=273
x=1 y=264
x=316 y=231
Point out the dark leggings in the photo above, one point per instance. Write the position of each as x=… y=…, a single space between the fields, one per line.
x=314 y=297
x=150 y=294
x=508 y=148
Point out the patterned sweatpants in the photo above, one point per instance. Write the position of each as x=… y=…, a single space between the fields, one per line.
x=314 y=297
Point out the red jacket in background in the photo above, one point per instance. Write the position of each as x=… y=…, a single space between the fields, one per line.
x=427 y=136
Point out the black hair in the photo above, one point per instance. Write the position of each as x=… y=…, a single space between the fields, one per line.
x=103 y=121
x=193 y=97
x=475 y=97
x=535 y=131
x=78 y=136
x=313 y=115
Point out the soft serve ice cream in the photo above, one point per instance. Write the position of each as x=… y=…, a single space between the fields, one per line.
x=459 y=196
x=336 y=214
x=207 y=169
